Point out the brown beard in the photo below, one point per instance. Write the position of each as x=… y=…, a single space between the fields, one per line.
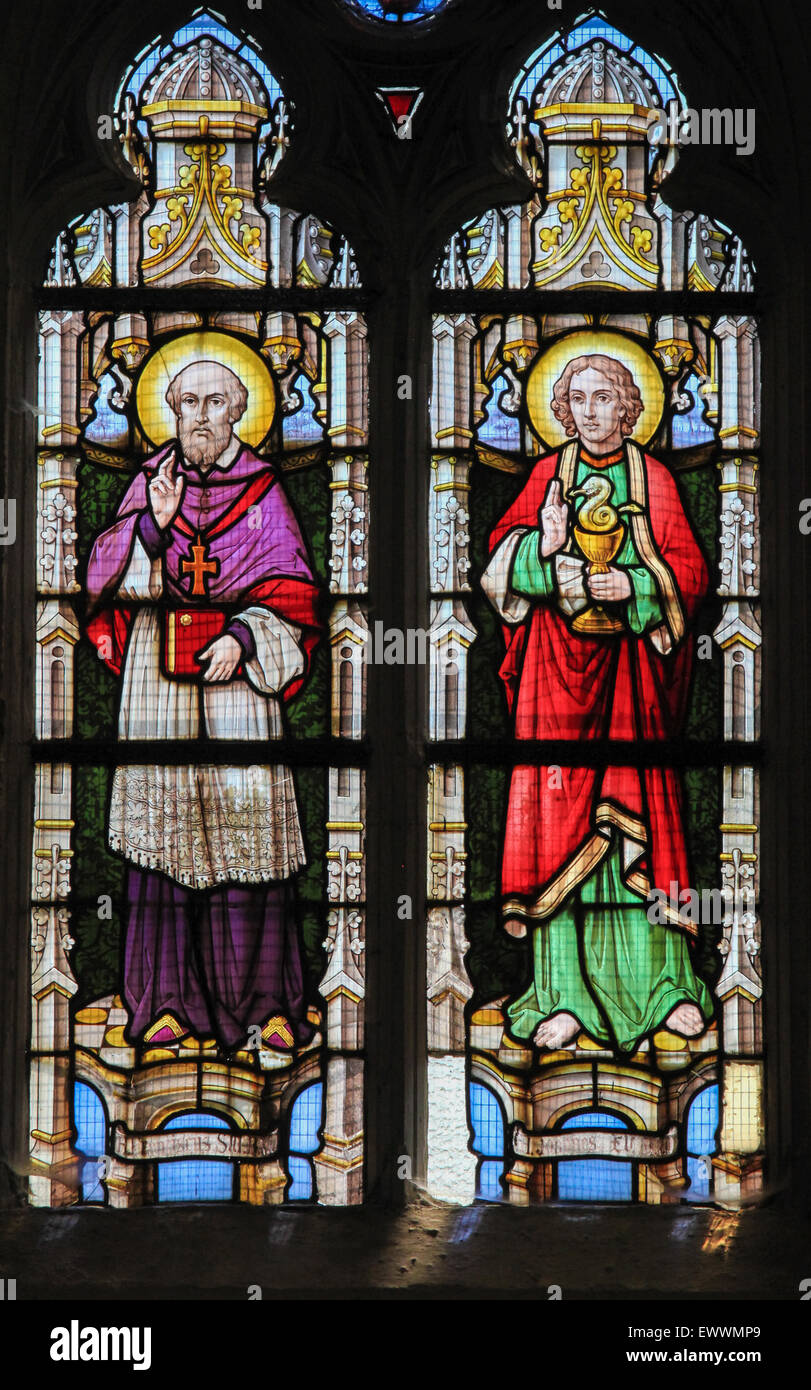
x=205 y=454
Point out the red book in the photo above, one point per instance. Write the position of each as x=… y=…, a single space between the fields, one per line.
x=186 y=632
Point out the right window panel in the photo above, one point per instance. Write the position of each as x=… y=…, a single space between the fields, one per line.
x=594 y=985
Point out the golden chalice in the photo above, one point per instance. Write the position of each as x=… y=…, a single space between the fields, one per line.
x=599 y=548
x=600 y=534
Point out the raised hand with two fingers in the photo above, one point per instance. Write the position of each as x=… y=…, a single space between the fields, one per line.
x=553 y=519
x=166 y=491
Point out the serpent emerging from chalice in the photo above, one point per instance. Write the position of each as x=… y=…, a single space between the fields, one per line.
x=599 y=532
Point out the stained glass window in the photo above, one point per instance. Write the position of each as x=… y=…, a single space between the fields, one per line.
x=592 y=878
x=593 y=814
x=198 y=871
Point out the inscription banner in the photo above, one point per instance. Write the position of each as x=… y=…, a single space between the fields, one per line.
x=190 y=1143
x=596 y=1143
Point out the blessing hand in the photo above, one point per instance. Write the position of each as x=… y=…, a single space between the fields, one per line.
x=610 y=587
x=166 y=491
x=223 y=656
x=553 y=519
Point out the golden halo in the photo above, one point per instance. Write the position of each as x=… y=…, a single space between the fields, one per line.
x=632 y=355
x=157 y=419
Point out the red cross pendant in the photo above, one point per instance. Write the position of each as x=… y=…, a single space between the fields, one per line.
x=199 y=566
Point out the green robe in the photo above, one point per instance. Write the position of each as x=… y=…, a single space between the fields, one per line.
x=600 y=959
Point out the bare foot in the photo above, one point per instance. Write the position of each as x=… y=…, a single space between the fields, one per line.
x=556 y=1031
x=515 y=927
x=685 y=1019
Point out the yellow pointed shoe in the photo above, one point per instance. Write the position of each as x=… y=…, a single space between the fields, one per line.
x=165 y=1030
x=276 y=1034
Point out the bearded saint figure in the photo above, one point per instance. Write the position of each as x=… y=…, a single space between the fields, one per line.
x=584 y=847
x=202 y=600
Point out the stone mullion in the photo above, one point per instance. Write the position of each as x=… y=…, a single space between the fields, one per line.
x=55 y=1175
x=399 y=327
x=451 y=1166
x=339 y=1163
x=737 y=1165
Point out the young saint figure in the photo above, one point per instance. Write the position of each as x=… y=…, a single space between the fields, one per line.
x=205 y=541
x=597 y=651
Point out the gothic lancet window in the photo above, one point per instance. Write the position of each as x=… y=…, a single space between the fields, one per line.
x=592 y=879
x=198 y=891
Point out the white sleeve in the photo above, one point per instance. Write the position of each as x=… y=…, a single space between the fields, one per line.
x=661 y=639
x=278 y=658
x=512 y=608
x=143 y=577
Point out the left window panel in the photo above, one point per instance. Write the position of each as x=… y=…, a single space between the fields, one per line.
x=198 y=872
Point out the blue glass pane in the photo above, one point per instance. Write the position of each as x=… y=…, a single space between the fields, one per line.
x=594 y=1119
x=664 y=80
x=489 y=1187
x=90 y=1121
x=690 y=428
x=594 y=1179
x=301 y=1175
x=196 y=1179
x=500 y=429
x=204 y=24
x=597 y=28
x=92 y=1185
x=305 y=1120
x=108 y=426
x=303 y=426
x=487 y=1122
x=143 y=70
x=395 y=11
x=699 y=1171
x=197 y=1120
x=702 y=1122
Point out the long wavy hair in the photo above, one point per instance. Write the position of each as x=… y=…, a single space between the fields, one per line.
x=618 y=375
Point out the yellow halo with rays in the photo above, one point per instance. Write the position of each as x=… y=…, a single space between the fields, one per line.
x=158 y=421
x=583 y=343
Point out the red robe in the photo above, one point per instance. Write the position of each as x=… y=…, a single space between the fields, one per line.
x=563 y=685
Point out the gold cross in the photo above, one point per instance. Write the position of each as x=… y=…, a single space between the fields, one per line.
x=199 y=566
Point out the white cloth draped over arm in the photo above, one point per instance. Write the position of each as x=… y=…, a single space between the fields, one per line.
x=495 y=579
x=570 y=584
x=279 y=657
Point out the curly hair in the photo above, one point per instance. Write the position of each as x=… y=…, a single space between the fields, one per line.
x=619 y=377
x=237 y=393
